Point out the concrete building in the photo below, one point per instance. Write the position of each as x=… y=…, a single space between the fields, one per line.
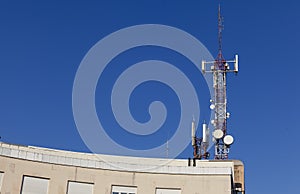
x=35 y=170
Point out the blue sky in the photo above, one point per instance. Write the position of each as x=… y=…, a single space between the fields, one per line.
x=43 y=44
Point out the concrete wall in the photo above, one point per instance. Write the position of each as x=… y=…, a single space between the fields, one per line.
x=208 y=177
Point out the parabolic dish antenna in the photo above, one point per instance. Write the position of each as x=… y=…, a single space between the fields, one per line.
x=228 y=140
x=218 y=134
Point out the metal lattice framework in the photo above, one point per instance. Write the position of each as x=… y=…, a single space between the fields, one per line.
x=219 y=68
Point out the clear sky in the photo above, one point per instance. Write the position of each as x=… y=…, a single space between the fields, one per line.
x=43 y=44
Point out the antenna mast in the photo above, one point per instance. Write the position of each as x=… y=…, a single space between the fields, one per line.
x=219 y=68
x=220 y=28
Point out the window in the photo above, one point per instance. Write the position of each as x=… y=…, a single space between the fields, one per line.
x=1 y=179
x=123 y=190
x=80 y=188
x=168 y=191
x=34 y=185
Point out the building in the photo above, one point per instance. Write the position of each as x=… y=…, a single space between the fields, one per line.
x=35 y=170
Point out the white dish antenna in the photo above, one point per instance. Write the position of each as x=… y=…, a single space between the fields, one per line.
x=218 y=134
x=228 y=140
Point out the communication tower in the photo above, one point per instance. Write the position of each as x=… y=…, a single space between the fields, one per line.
x=219 y=68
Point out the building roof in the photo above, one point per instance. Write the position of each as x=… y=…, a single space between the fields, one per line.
x=118 y=163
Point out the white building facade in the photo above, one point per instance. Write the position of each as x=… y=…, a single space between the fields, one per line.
x=34 y=170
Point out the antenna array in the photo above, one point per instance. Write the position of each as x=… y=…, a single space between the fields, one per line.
x=219 y=68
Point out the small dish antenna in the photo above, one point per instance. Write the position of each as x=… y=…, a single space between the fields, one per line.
x=228 y=140
x=218 y=134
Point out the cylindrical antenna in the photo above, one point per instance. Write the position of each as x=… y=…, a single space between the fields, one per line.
x=204 y=133
x=193 y=132
x=236 y=64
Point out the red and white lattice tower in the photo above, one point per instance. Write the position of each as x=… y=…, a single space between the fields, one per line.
x=219 y=68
